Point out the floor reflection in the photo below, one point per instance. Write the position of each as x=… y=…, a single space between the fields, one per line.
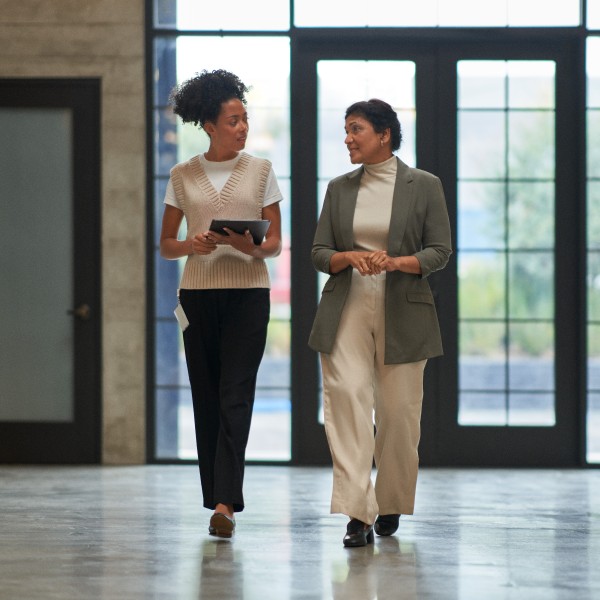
x=221 y=570
x=385 y=570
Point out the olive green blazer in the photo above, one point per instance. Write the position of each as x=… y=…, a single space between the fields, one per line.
x=419 y=226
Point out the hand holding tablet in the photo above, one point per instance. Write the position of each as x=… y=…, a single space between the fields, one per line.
x=258 y=228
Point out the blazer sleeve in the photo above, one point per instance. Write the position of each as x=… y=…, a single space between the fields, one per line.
x=436 y=246
x=324 y=245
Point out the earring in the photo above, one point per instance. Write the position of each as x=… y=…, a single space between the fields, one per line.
x=381 y=142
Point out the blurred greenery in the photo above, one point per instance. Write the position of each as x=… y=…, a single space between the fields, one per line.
x=517 y=281
x=527 y=252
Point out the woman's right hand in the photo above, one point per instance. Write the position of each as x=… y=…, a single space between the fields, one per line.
x=204 y=244
x=357 y=259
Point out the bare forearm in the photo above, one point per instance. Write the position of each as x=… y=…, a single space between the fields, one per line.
x=339 y=261
x=172 y=249
x=268 y=249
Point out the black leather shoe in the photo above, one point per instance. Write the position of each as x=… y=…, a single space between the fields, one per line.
x=387 y=524
x=358 y=534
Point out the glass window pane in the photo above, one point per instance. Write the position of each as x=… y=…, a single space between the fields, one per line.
x=165 y=72
x=593 y=143
x=503 y=213
x=380 y=13
x=531 y=372
x=481 y=84
x=531 y=84
x=166 y=137
x=593 y=235
x=471 y=13
x=531 y=410
x=392 y=81
x=268 y=107
x=481 y=144
x=234 y=15
x=479 y=408
x=174 y=419
x=593 y=286
x=171 y=369
x=479 y=338
x=465 y=13
x=531 y=285
x=593 y=428
x=593 y=72
x=37 y=267
x=167 y=274
x=160 y=186
x=270 y=432
x=531 y=203
x=484 y=372
x=538 y=13
x=481 y=285
x=593 y=14
x=593 y=213
x=531 y=144
x=526 y=341
x=481 y=218
x=593 y=347
x=268 y=99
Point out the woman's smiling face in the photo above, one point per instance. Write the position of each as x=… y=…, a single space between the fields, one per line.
x=364 y=144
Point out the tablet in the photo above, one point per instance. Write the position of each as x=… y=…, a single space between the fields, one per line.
x=257 y=228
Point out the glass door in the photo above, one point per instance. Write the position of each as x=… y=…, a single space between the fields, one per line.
x=498 y=125
x=511 y=391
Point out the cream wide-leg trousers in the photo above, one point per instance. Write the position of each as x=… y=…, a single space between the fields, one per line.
x=356 y=382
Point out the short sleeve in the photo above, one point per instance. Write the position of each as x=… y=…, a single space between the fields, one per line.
x=170 y=197
x=272 y=191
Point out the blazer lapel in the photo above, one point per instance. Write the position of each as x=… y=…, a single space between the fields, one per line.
x=402 y=204
x=347 y=207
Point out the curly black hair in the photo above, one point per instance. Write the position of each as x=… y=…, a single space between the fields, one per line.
x=381 y=115
x=199 y=99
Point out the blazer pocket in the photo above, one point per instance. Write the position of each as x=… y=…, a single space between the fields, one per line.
x=423 y=297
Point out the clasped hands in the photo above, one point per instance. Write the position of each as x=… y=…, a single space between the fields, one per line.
x=206 y=243
x=371 y=263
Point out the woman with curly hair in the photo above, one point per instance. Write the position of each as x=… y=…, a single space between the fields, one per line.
x=383 y=229
x=224 y=288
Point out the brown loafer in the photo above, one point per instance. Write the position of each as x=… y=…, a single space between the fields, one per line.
x=221 y=525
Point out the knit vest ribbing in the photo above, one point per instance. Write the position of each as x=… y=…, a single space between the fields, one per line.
x=241 y=198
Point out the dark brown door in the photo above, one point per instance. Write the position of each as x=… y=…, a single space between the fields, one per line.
x=50 y=358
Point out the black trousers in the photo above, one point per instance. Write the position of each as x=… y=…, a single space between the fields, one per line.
x=224 y=345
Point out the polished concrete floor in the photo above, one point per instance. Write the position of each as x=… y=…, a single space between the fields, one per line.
x=139 y=532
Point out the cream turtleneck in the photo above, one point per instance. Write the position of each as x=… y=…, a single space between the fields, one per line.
x=374 y=205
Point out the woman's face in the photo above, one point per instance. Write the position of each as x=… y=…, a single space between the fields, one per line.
x=230 y=130
x=364 y=144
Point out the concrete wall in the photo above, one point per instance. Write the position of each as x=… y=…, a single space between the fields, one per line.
x=102 y=38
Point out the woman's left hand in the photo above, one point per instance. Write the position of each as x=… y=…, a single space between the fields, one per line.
x=240 y=241
x=377 y=262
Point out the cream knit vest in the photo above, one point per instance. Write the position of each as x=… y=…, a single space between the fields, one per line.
x=240 y=198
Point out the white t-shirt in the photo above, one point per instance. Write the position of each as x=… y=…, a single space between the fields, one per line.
x=219 y=172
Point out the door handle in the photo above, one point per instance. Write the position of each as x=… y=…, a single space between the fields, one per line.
x=83 y=312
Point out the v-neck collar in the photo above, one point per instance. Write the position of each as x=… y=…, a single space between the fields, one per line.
x=219 y=199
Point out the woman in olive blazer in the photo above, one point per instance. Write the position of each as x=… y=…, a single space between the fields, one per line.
x=418 y=243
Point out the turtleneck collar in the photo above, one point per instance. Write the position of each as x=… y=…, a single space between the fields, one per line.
x=387 y=168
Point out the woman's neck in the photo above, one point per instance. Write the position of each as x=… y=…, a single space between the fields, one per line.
x=219 y=155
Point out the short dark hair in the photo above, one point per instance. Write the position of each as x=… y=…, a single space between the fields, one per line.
x=381 y=115
x=199 y=99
